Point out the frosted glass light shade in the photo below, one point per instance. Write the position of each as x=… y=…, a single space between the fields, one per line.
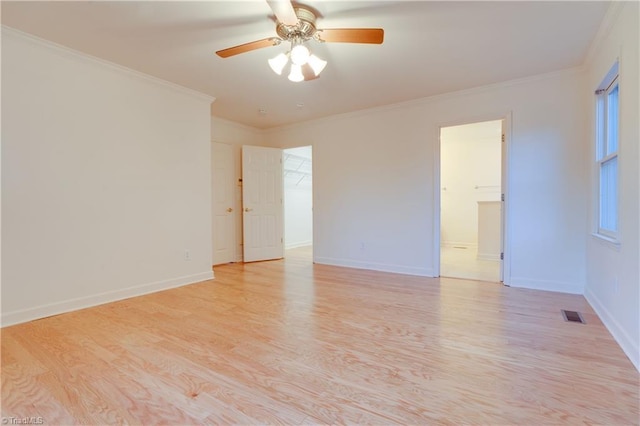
x=299 y=54
x=316 y=64
x=278 y=63
x=296 y=73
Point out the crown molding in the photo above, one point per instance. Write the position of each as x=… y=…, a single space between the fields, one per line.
x=237 y=125
x=12 y=32
x=604 y=30
x=431 y=99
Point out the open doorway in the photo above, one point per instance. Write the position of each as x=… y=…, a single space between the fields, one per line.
x=298 y=203
x=471 y=231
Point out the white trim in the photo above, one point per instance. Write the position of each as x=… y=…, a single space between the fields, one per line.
x=602 y=146
x=605 y=241
x=373 y=266
x=505 y=158
x=607 y=235
x=42 y=311
x=607 y=24
x=8 y=31
x=629 y=347
x=437 y=215
x=506 y=228
x=556 y=286
x=458 y=244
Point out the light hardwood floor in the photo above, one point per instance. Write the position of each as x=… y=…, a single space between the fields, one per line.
x=463 y=262
x=295 y=343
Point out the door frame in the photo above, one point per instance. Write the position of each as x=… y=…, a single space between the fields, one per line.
x=233 y=238
x=505 y=270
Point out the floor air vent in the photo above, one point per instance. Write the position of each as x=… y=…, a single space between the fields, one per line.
x=573 y=316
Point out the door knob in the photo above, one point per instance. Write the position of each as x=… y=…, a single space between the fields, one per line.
x=229 y=210
x=247 y=209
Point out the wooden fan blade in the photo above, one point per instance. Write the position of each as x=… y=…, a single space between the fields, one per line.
x=283 y=9
x=247 y=47
x=352 y=35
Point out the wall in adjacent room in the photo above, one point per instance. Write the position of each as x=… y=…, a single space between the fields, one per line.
x=470 y=172
x=298 y=197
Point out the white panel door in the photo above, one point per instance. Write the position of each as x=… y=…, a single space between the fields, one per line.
x=263 y=211
x=223 y=226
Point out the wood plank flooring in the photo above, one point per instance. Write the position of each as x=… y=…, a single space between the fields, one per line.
x=288 y=342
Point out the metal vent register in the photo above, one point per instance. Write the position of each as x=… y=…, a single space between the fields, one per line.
x=572 y=316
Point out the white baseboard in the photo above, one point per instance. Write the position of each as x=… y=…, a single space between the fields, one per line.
x=629 y=347
x=383 y=267
x=290 y=246
x=42 y=311
x=458 y=244
x=557 y=286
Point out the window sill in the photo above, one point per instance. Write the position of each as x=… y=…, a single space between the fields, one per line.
x=609 y=242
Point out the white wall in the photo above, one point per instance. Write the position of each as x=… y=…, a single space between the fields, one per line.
x=298 y=199
x=105 y=181
x=236 y=135
x=470 y=172
x=613 y=275
x=376 y=182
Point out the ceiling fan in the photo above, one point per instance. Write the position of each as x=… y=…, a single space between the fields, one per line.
x=296 y=24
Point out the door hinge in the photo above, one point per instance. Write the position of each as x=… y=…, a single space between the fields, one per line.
x=502 y=197
x=503 y=137
x=501 y=256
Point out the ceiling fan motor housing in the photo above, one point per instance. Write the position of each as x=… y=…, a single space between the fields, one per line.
x=304 y=30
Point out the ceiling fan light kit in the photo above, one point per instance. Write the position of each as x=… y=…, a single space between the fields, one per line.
x=299 y=56
x=296 y=73
x=297 y=25
x=278 y=63
x=316 y=64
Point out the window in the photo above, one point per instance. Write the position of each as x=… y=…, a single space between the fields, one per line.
x=607 y=123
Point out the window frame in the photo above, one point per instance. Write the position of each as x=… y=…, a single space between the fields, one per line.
x=607 y=151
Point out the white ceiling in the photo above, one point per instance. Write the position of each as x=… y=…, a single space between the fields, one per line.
x=430 y=47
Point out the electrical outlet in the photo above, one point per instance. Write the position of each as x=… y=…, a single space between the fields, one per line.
x=187 y=255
